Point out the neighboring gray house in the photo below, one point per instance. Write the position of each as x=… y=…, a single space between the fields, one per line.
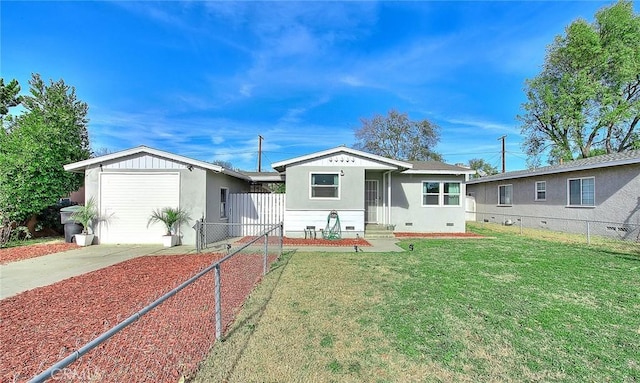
x=129 y=184
x=366 y=189
x=603 y=188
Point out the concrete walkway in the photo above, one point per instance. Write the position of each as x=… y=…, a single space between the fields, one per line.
x=28 y=274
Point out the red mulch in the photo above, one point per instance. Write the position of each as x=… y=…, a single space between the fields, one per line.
x=437 y=235
x=43 y=325
x=344 y=242
x=19 y=253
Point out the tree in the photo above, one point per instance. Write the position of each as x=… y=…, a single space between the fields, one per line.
x=9 y=97
x=588 y=94
x=51 y=132
x=397 y=137
x=224 y=164
x=101 y=151
x=482 y=168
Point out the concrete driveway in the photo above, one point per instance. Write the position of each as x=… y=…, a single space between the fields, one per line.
x=28 y=274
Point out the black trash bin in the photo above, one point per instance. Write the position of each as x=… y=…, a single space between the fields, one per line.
x=71 y=227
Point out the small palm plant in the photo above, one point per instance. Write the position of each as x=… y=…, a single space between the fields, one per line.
x=86 y=215
x=170 y=217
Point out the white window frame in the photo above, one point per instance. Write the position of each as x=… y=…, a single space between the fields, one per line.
x=224 y=205
x=581 y=204
x=311 y=186
x=511 y=196
x=423 y=194
x=459 y=194
x=544 y=190
x=441 y=194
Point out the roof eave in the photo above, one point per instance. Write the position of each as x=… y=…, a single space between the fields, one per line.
x=269 y=178
x=535 y=173
x=81 y=166
x=282 y=165
x=440 y=171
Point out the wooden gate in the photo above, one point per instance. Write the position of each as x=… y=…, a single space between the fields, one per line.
x=256 y=208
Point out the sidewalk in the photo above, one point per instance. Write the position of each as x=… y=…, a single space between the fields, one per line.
x=28 y=274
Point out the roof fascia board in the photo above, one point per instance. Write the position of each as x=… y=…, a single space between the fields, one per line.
x=271 y=178
x=454 y=172
x=81 y=165
x=560 y=170
x=285 y=163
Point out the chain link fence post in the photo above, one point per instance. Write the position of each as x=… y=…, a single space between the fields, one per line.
x=588 y=233
x=521 y=218
x=218 y=308
x=198 y=229
x=281 y=239
x=266 y=254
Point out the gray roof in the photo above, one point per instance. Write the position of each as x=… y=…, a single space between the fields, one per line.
x=606 y=160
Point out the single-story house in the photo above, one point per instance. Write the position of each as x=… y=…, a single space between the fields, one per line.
x=367 y=189
x=128 y=185
x=600 y=189
x=362 y=188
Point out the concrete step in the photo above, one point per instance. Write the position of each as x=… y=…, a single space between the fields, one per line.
x=374 y=231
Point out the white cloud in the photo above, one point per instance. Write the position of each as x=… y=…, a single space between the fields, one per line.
x=484 y=125
x=352 y=81
x=217 y=139
x=245 y=90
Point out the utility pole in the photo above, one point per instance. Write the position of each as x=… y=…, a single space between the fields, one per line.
x=260 y=138
x=503 y=153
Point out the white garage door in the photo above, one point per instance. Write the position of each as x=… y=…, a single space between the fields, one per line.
x=127 y=200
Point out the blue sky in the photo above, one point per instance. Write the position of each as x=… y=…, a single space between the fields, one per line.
x=204 y=79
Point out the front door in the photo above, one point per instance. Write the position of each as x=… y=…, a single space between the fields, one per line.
x=371 y=201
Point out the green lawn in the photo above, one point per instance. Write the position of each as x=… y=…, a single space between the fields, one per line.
x=511 y=308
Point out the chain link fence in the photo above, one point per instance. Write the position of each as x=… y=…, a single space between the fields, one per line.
x=166 y=340
x=622 y=233
x=226 y=237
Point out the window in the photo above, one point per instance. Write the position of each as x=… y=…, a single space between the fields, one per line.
x=325 y=185
x=430 y=193
x=582 y=192
x=452 y=193
x=505 y=194
x=224 y=193
x=541 y=190
x=440 y=193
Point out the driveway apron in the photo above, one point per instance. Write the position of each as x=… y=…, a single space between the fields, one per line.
x=28 y=274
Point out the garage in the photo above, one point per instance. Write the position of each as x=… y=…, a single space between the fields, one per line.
x=127 y=200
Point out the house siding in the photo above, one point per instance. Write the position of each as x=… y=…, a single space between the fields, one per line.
x=617 y=196
x=302 y=210
x=143 y=161
x=214 y=182
x=408 y=214
x=351 y=187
